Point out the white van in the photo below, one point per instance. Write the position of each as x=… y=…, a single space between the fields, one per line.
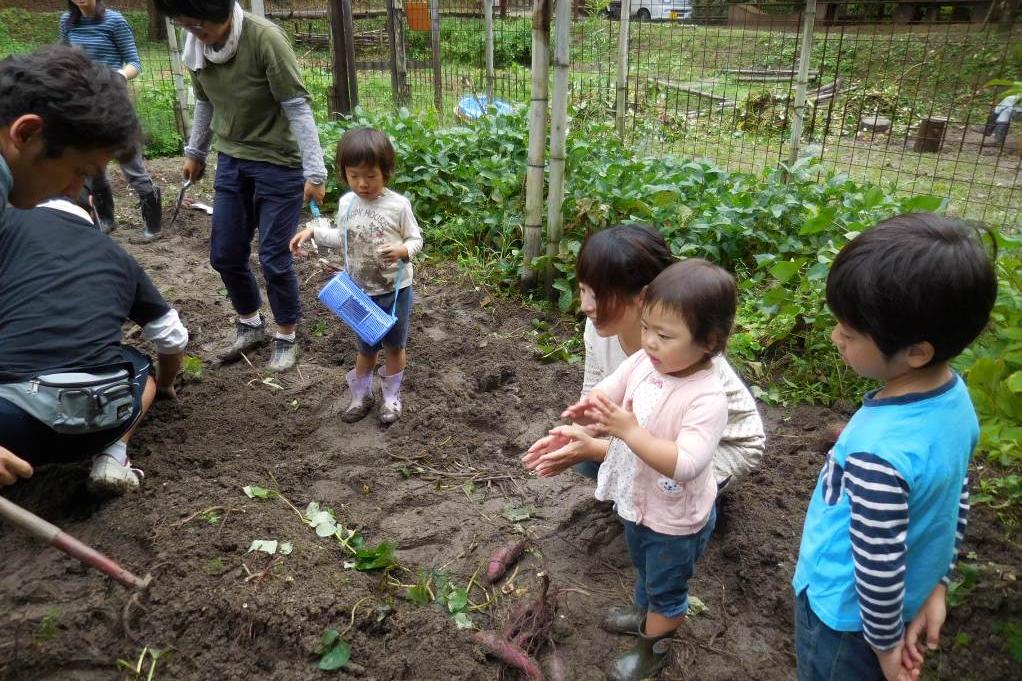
x=655 y=10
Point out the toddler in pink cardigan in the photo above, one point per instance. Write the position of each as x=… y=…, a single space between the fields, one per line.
x=665 y=409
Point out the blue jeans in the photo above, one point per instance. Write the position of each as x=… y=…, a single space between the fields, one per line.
x=397 y=337
x=37 y=443
x=252 y=194
x=828 y=655
x=665 y=563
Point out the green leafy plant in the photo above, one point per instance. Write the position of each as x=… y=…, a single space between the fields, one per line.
x=152 y=654
x=191 y=366
x=319 y=328
x=335 y=652
x=960 y=589
x=1012 y=633
x=46 y=629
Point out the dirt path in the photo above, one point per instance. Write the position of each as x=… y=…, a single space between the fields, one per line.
x=436 y=484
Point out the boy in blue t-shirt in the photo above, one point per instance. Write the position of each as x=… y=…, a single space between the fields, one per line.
x=889 y=509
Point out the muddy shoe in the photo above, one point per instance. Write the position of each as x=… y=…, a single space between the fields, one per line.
x=623 y=620
x=246 y=338
x=109 y=477
x=390 y=387
x=285 y=354
x=362 y=399
x=643 y=661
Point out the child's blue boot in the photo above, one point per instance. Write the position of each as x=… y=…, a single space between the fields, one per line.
x=361 y=396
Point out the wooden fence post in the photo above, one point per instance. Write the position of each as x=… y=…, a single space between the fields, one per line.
x=558 y=138
x=621 y=103
x=339 y=94
x=537 y=142
x=438 y=85
x=182 y=111
x=805 y=54
x=398 y=61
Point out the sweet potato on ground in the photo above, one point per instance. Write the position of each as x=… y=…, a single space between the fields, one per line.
x=503 y=558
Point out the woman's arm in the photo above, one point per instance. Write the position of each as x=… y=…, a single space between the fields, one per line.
x=124 y=41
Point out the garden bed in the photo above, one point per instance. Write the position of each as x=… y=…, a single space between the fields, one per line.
x=444 y=485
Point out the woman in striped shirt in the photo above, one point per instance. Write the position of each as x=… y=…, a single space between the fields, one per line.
x=106 y=37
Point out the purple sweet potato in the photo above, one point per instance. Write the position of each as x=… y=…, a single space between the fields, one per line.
x=503 y=558
x=509 y=654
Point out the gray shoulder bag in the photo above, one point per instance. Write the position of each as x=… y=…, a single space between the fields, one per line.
x=76 y=402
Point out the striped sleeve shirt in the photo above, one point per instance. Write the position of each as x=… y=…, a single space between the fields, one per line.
x=107 y=41
x=878 y=500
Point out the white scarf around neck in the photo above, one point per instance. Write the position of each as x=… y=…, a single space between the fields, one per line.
x=196 y=52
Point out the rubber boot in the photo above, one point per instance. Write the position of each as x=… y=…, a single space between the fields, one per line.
x=390 y=386
x=152 y=216
x=623 y=620
x=362 y=399
x=103 y=204
x=643 y=661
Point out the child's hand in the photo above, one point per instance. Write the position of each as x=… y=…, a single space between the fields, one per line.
x=564 y=447
x=891 y=664
x=613 y=420
x=300 y=238
x=576 y=413
x=391 y=253
x=928 y=622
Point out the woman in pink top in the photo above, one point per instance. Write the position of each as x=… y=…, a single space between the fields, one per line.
x=665 y=410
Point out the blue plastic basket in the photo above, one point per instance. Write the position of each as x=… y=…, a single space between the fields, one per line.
x=343 y=297
x=347 y=300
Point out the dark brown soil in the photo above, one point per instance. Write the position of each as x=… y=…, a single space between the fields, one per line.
x=476 y=397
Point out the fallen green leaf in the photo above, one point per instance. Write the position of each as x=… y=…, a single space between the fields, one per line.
x=256 y=492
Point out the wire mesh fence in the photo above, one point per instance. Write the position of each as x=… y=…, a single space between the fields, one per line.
x=893 y=91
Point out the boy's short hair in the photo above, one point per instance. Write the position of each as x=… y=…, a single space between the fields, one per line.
x=703 y=295
x=618 y=262
x=84 y=105
x=217 y=11
x=362 y=146
x=914 y=278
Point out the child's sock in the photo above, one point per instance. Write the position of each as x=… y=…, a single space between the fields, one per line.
x=289 y=337
x=118 y=451
x=254 y=320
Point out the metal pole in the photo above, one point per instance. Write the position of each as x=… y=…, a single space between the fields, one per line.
x=805 y=54
x=558 y=136
x=622 y=66
x=490 y=76
x=438 y=86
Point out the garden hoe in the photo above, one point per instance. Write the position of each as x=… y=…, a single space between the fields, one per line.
x=180 y=200
x=54 y=536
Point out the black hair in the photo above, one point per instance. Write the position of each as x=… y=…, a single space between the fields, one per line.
x=618 y=262
x=915 y=278
x=75 y=12
x=364 y=146
x=83 y=104
x=217 y=11
x=704 y=295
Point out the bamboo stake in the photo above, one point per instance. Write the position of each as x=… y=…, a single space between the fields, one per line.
x=537 y=141
x=622 y=66
x=490 y=76
x=177 y=66
x=805 y=53
x=438 y=86
x=558 y=136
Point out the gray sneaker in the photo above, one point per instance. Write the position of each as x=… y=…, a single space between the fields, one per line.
x=247 y=338
x=285 y=354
